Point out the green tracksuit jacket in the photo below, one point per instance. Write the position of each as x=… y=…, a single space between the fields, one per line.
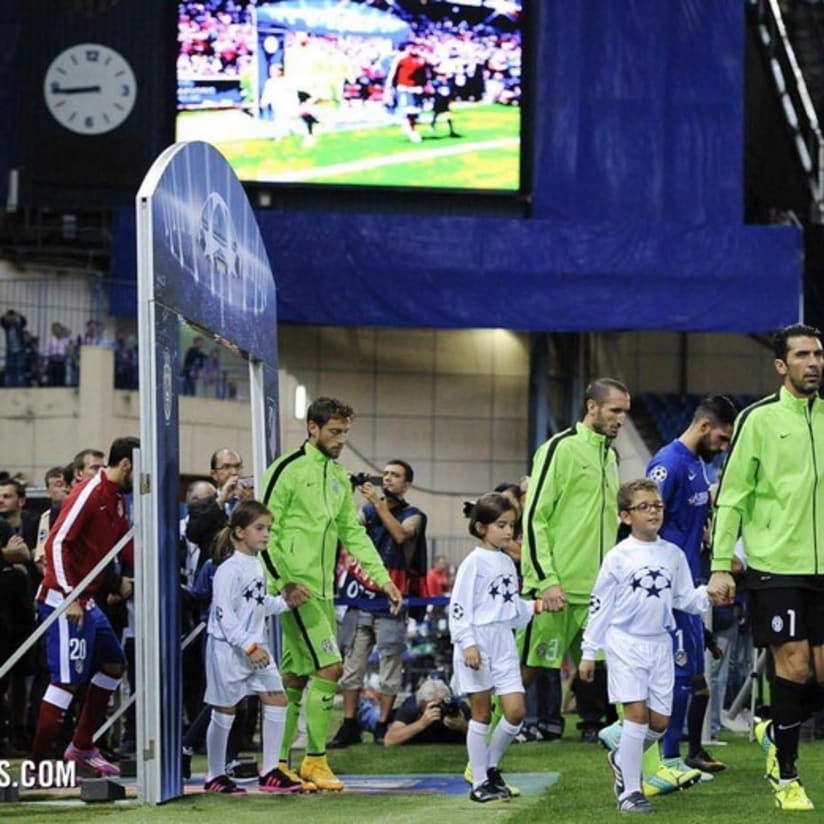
x=310 y=499
x=772 y=488
x=571 y=513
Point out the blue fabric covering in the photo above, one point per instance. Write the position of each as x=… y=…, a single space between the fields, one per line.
x=634 y=145
x=396 y=271
x=640 y=110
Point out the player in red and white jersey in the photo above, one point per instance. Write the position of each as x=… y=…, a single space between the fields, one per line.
x=81 y=646
x=81 y=535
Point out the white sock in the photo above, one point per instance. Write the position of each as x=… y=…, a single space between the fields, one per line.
x=630 y=752
x=503 y=736
x=653 y=737
x=217 y=737
x=274 y=719
x=476 y=747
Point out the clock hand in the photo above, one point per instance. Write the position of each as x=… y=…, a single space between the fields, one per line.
x=57 y=89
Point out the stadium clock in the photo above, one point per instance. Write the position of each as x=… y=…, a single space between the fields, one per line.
x=89 y=88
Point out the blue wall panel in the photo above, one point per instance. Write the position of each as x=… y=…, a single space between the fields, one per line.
x=639 y=109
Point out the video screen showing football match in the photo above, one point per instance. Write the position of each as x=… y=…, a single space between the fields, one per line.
x=379 y=93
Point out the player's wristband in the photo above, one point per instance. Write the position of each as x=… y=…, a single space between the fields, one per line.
x=252 y=650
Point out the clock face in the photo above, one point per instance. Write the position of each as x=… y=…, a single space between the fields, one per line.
x=90 y=88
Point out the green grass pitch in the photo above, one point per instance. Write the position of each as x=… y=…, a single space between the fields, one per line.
x=583 y=795
x=485 y=155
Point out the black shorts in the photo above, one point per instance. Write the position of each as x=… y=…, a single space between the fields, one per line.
x=782 y=614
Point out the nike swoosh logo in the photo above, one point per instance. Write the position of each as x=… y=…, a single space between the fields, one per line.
x=788 y=726
x=327 y=699
x=783 y=435
x=691 y=475
x=765 y=577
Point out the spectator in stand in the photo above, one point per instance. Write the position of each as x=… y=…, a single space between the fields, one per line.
x=57 y=353
x=13 y=324
x=125 y=362
x=212 y=383
x=193 y=363
x=93 y=336
x=439 y=578
x=31 y=355
x=82 y=648
x=73 y=362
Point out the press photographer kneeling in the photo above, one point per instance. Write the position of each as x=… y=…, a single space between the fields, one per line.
x=433 y=715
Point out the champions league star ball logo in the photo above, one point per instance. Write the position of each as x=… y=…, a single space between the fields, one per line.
x=504 y=586
x=658 y=474
x=457 y=611
x=594 y=604
x=652 y=580
x=217 y=240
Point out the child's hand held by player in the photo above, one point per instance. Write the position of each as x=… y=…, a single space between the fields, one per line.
x=472 y=657
x=295 y=595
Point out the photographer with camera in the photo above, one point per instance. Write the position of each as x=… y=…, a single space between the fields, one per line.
x=433 y=715
x=397 y=529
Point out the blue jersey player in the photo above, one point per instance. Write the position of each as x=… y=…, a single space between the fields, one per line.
x=680 y=470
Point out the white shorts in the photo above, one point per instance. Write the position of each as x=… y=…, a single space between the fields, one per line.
x=230 y=677
x=640 y=669
x=500 y=669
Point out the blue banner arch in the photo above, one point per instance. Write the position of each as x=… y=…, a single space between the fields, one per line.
x=201 y=259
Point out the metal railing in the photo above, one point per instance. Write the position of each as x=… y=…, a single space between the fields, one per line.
x=796 y=102
x=72 y=299
x=64 y=605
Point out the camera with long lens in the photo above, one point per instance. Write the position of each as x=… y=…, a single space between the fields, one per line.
x=451 y=708
x=361 y=478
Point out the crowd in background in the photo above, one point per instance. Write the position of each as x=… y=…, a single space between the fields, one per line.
x=28 y=362
x=56 y=361
x=427 y=646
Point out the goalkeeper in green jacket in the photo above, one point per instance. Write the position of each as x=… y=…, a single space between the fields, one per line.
x=772 y=494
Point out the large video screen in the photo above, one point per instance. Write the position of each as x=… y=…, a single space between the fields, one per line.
x=380 y=93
